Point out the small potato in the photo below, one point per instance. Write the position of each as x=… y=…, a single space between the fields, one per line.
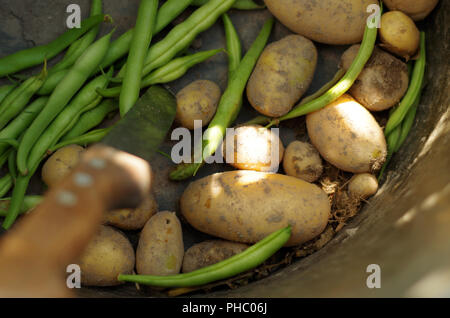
x=197 y=101
x=250 y=148
x=60 y=164
x=347 y=136
x=337 y=22
x=209 y=253
x=132 y=219
x=246 y=206
x=160 y=250
x=282 y=75
x=107 y=255
x=416 y=9
x=399 y=34
x=363 y=185
x=302 y=160
x=383 y=81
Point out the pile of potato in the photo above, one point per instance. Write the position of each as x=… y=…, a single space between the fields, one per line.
x=243 y=206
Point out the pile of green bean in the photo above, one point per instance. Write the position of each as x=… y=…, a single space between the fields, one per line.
x=402 y=117
x=64 y=104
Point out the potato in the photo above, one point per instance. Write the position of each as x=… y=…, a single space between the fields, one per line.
x=282 y=75
x=160 y=250
x=250 y=148
x=383 y=81
x=399 y=34
x=247 y=206
x=209 y=253
x=302 y=160
x=363 y=185
x=61 y=163
x=197 y=101
x=107 y=255
x=416 y=9
x=325 y=21
x=347 y=136
x=132 y=219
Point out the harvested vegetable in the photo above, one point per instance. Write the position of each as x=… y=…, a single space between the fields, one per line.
x=253 y=148
x=140 y=43
x=197 y=101
x=325 y=21
x=209 y=253
x=250 y=258
x=229 y=104
x=37 y=55
x=399 y=34
x=383 y=81
x=108 y=254
x=302 y=160
x=348 y=136
x=132 y=219
x=362 y=186
x=60 y=164
x=245 y=206
x=364 y=53
x=414 y=90
x=282 y=75
x=160 y=250
x=416 y=9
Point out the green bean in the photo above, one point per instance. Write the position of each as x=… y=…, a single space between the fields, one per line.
x=392 y=144
x=167 y=73
x=91 y=137
x=118 y=49
x=77 y=116
x=17 y=198
x=6 y=183
x=166 y=14
x=5 y=90
x=62 y=94
x=228 y=104
x=85 y=100
x=91 y=119
x=4 y=156
x=10 y=142
x=182 y=35
x=36 y=55
x=177 y=68
x=240 y=4
x=79 y=46
x=29 y=203
x=53 y=79
x=413 y=92
x=364 y=53
x=234 y=49
x=140 y=43
x=250 y=258
x=12 y=168
x=19 y=98
x=407 y=124
x=22 y=121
